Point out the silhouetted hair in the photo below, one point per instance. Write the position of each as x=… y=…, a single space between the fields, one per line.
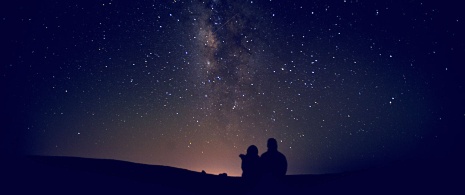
x=272 y=144
x=252 y=150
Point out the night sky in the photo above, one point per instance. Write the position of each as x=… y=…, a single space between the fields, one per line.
x=342 y=85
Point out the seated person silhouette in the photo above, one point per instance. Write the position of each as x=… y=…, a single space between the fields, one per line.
x=273 y=162
x=250 y=163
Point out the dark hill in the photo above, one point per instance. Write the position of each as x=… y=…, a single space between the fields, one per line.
x=64 y=175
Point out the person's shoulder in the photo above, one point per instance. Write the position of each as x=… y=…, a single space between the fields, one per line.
x=265 y=154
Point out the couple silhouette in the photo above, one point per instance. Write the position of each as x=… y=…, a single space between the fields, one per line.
x=272 y=163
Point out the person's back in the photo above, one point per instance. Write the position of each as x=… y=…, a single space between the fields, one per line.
x=273 y=162
x=250 y=163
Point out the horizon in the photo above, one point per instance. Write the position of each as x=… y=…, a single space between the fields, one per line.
x=220 y=171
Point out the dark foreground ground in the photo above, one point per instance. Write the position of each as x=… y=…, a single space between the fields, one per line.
x=72 y=175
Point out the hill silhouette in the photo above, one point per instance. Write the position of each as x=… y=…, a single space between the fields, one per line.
x=58 y=175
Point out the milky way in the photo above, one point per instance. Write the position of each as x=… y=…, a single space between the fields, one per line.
x=228 y=66
x=342 y=85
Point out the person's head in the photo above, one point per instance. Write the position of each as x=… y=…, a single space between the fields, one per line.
x=252 y=150
x=272 y=144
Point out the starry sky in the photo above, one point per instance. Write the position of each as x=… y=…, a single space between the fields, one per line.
x=342 y=85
